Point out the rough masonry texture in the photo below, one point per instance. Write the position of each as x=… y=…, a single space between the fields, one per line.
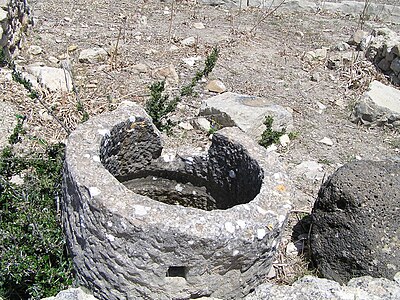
x=211 y=229
x=356 y=218
x=14 y=21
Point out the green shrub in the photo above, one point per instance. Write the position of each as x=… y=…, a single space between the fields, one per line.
x=159 y=106
x=34 y=261
x=270 y=136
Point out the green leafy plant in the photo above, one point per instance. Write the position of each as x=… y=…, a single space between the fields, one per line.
x=17 y=76
x=209 y=65
x=18 y=130
x=270 y=136
x=159 y=106
x=34 y=261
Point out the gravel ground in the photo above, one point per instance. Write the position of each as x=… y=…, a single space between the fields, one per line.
x=259 y=55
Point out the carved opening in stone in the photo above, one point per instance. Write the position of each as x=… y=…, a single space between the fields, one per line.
x=226 y=176
x=177 y=271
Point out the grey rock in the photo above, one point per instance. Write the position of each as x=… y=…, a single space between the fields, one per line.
x=35 y=50
x=355 y=228
x=202 y=124
x=311 y=288
x=143 y=226
x=357 y=37
x=384 y=65
x=395 y=65
x=246 y=112
x=93 y=55
x=72 y=294
x=310 y=169
x=380 y=105
x=3 y=15
x=54 y=79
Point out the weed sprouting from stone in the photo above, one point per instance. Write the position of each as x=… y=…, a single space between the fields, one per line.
x=159 y=106
x=270 y=136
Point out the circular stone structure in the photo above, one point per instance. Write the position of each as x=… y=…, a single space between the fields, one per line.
x=141 y=224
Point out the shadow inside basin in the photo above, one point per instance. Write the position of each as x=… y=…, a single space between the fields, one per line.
x=225 y=177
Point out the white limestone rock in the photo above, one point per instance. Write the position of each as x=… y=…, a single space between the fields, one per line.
x=379 y=106
x=93 y=55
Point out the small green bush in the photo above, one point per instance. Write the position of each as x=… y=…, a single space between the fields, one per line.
x=270 y=136
x=34 y=261
x=159 y=106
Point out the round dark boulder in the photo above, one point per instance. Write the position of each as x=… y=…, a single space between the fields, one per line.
x=355 y=222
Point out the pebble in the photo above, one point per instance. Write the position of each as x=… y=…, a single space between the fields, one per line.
x=202 y=124
x=139 y=68
x=185 y=125
x=191 y=60
x=291 y=249
x=216 y=86
x=168 y=73
x=190 y=41
x=72 y=48
x=199 y=25
x=326 y=141
x=271 y=273
x=92 y=55
x=284 y=140
x=35 y=50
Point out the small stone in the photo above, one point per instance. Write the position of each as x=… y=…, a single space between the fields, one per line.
x=341 y=46
x=199 y=25
x=173 y=48
x=151 y=52
x=216 y=86
x=326 y=141
x=72 y=48
x=299 y=34
x=310 y=169
x=190 y=41
x=396 y=50
x=271 y=273
x=291 y=249
x=17 y=180
x=357 y=37
x=3 y=15
x=168 y=73
x=202 y=124
x=321 y=53
x=90 y=85
x=185 y=125
x=384 y=65
x=321 y=107
x=68 y=19
x=315 y=77
x=395 y=65
x=139 y=68
x=284 y=140
x=35 y=50
x=53 y=60
x=191 y=60
x=92 y=55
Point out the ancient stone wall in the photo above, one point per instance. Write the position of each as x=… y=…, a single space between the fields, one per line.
x=129 y=246
x=15 y=18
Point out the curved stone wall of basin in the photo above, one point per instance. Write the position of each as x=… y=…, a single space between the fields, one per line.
x=144 y=225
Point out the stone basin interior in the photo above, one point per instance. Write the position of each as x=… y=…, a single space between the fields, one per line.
x=225 y=177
